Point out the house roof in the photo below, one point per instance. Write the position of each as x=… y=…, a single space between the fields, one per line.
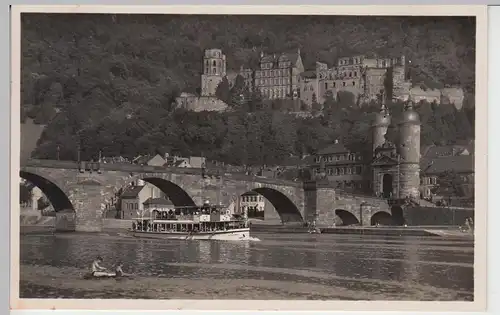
x=435 y=151
x=132 y=191
x=179 y=162
x=459 y=164
x=309 y=74
x=289 y=56
x=337 y=147
x=297 y=160
x=250 y=193
x=158 y=201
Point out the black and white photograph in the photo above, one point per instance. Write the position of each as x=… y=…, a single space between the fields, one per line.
x=248 y=156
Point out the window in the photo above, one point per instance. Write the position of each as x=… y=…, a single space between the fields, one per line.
x=341 y=171
x=353 y=83
x=343 y=83
x=350 y=74
x=326 y=85
x=214 y=64
x=333 y=84
x=349 y=170
x=337 y=171
x=355 y=74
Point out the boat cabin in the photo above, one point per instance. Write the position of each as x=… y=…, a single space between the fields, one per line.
x=192 y=219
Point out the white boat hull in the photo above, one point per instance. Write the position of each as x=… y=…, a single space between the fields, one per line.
x=236 y=234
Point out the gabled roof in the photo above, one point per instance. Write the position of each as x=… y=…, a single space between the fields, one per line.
x=132 y=191
x=158 y=201
x=179 y=162
x=384 y=160
x=333 y=148
x=459 y=164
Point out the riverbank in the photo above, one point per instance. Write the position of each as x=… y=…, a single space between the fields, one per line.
x=43 y=281
x=114 y=226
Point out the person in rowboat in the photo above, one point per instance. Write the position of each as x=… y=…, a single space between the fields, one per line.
x=97 y=270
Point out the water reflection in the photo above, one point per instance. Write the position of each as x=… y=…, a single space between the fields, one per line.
x=388 y=265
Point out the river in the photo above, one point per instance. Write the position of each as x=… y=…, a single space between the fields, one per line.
x=279 y=266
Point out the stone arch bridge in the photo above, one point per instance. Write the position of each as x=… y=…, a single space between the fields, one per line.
x=83 y=192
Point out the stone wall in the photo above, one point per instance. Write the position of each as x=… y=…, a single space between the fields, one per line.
x=65 y=221
x=415 y=216
x=361 y=207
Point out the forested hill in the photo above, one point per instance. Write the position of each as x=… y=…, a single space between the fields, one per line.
x=97 y=70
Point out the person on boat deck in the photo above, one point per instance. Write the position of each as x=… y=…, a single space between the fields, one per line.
x=97 y=270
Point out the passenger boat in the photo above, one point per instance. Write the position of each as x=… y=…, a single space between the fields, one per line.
x=206 y=222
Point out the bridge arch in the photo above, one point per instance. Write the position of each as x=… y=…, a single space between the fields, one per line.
x=382 y=218
x=284 y=206
x=57 y=197
x=346 y=217
x=174 y=192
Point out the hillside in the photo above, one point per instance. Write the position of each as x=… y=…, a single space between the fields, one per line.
x=106 y=72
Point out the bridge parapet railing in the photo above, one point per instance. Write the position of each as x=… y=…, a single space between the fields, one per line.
x=135 y=168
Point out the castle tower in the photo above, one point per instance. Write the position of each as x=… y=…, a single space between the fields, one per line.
x=380 y=125
x=409 y=150
x=214 y=69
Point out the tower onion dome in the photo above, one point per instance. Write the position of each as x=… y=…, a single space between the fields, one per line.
x=410 y=115
x=382 y=118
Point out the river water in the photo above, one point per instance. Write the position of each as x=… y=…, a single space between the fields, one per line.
x=279 y=266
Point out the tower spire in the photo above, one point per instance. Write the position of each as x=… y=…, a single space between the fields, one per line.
x=409 y=104
x=383 y=107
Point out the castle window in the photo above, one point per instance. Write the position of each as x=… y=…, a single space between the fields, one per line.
x=333 y=84
x=214 y=64
x=350 y=74
x=326 y=85
x=353 y=83
x=355 y=74
x=343 y=83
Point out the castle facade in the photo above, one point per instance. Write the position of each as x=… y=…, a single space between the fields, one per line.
x=282 y=76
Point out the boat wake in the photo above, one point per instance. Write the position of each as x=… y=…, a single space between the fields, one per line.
x=238 y=239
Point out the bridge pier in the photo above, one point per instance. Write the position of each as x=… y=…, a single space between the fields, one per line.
x=87 y=198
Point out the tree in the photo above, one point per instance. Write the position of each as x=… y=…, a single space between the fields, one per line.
x=223 y=91
x=389 y=84
x=25 y=193
x=449 y=184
